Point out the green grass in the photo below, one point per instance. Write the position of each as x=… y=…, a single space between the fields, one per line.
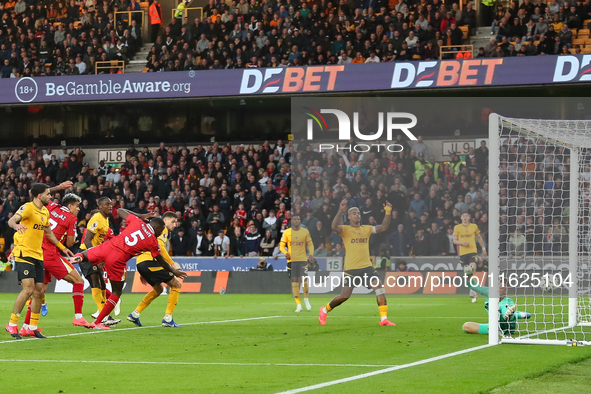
x=427 y=327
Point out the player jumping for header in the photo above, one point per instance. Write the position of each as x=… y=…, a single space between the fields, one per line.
x=138 y=237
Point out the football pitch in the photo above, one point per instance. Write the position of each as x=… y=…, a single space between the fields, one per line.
x=257 y=344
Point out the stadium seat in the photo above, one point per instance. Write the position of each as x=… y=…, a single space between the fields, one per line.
x=586 y=23
x=583 y=33
x=579 y=41
x=76 y=23
x=56 y=24
x=573 y=50
x=536 y=43
x=574 y=31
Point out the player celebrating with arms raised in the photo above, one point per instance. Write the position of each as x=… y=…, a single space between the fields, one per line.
x=31 y=223
x=153 y=273
x=465 y=235
x=138 y=237
x=357 y=262
x=293 y=245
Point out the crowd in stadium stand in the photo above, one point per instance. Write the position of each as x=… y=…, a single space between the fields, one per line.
x=248 y=193
x=42 y=39
x=293 y=33
x=428 y=197
x=242 y=192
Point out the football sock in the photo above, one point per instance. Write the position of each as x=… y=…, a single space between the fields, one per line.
x=109 y=306
x=28 y=316
x=295 y=290
x=151 y=296
x=34 y=321
x=14 y=319
x=105 y=296
x=78 y=296
x=173 y=298
x=327 y=308
x=305 y=286
x=168 y=318
x=28 y=302
x=97 y=296
x=383 y=312
x=44 y=300
x=106 y=293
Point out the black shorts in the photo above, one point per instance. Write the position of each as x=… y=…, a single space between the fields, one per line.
x=87 y=269
x=468 y=258
x=296 y=269
x=30 y=268
x=366 y=276
x=154 y=277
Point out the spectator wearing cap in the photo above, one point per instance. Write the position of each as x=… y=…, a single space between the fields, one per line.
x=197 y=242
x=180 y=243
x=222 y=244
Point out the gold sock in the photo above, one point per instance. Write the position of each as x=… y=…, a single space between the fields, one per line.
x=295 y=290
x=98 y=298
x=44 y=300
x=328 y=308
x=383 y=310
x=34 y=320
x=28 y=302
x=14 y=318
x=104 y=295
x=173 y=298
x=151 y=296
x=305 y=289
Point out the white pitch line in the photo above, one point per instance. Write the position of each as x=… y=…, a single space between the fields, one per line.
x=197 y=363
x=383 y=371
x=140 y=328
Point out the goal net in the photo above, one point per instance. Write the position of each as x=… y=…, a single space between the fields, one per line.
x=539 y=235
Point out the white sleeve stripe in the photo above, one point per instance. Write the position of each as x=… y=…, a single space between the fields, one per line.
x=373 y=230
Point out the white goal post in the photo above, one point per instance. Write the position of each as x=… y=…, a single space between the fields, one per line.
x=540 y=230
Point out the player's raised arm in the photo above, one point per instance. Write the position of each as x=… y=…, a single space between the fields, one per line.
x=124 y=213
x=386 y=223
x=62 y=186
x=51 y=237
x=170 y=268
x=336 y=222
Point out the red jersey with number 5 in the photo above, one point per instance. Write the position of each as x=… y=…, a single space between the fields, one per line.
x=138 y=237
x=63 y=224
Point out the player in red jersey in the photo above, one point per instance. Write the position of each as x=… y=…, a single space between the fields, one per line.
x=138 y=237
x=62 y=221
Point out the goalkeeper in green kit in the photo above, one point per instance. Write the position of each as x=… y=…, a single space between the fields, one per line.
x=508 y=313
